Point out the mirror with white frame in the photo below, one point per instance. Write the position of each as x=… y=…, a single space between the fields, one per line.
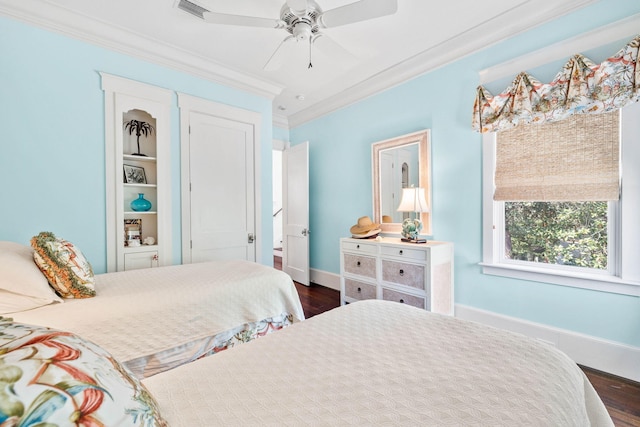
x=398 y=163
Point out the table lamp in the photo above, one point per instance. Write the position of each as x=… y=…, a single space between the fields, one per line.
x=413 y=201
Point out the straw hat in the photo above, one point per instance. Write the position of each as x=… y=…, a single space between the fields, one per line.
x=368 y=234
x=364 y=225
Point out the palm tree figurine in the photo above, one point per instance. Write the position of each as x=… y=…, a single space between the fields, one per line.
x=139 y=128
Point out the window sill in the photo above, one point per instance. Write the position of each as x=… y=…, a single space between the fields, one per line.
x=597 y=282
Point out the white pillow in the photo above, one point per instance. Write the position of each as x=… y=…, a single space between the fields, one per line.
x=20 y=276
x=14 y=303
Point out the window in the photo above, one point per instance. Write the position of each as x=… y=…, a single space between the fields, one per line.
x=587 y=244
x=573 y=234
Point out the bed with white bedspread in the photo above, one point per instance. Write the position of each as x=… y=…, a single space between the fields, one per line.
x=155 y=319
x=382 y=363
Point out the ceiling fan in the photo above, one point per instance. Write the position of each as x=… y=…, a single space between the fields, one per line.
x=303 y=20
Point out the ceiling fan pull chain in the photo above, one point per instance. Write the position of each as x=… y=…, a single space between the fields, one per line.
x=310 y=64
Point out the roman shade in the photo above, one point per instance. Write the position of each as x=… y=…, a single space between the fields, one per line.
x=576 y=159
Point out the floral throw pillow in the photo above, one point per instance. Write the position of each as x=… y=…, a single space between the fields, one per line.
x=66 y=269
x=55 y=378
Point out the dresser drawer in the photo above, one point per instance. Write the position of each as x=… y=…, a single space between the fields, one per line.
x=391 y=295
x=360 y=265
x=366 y=248
x=359 y=290
x=403 y=252
x=404 y=274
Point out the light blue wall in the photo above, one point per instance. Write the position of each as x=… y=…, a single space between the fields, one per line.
x=52 y=148
x=280 y=133
x=340 y=182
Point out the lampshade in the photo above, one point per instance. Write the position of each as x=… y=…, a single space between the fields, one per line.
x=413 y=200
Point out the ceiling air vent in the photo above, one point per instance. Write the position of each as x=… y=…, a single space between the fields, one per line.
x=191 y=8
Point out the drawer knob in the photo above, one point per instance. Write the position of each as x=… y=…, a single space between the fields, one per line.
x=359 y=290
x=357 y=246
x=358 y=263
x=401 y=272
x=400 y=251
x=401 y=301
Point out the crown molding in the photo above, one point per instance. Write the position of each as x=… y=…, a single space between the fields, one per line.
x=79 y=26
x=520 y=18
x=517 y=20
x=627 y=27
x=281 y=121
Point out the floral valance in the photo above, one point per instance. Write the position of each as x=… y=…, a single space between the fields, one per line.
x=581 y=87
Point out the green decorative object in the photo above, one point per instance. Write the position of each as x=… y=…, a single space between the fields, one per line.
x=411 y=228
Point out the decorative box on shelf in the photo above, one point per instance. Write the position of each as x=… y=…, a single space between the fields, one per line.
x=388 y=268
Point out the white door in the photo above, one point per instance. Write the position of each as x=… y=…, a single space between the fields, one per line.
x=295 y=202
x=389 y=202
x=222 y=205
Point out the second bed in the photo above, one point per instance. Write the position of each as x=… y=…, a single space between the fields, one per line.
x=156 y=319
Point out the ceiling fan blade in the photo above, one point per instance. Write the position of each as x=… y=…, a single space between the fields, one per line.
x=275 y=61
x=359 y=11
x=298 y=7
x=337 y=53
x=246 y=21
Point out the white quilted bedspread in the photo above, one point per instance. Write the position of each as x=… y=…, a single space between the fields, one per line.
x=382 y=363
x=143 y=312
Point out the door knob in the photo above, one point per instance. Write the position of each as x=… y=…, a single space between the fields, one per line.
x=251 y=238
x=306 y=232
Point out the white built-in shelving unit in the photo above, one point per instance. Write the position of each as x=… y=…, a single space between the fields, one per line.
x=127 y=100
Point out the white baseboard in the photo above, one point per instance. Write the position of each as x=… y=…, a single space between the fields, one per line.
x=324 y=278
x=608 y=356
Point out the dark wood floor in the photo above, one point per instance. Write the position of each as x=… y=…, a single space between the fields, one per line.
x=620 y=396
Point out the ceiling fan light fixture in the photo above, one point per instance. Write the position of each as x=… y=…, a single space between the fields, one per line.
x=302 y=31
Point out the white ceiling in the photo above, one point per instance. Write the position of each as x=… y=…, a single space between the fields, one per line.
x=420 y=37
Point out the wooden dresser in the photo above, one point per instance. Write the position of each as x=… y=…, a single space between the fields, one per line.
x=388 y=268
